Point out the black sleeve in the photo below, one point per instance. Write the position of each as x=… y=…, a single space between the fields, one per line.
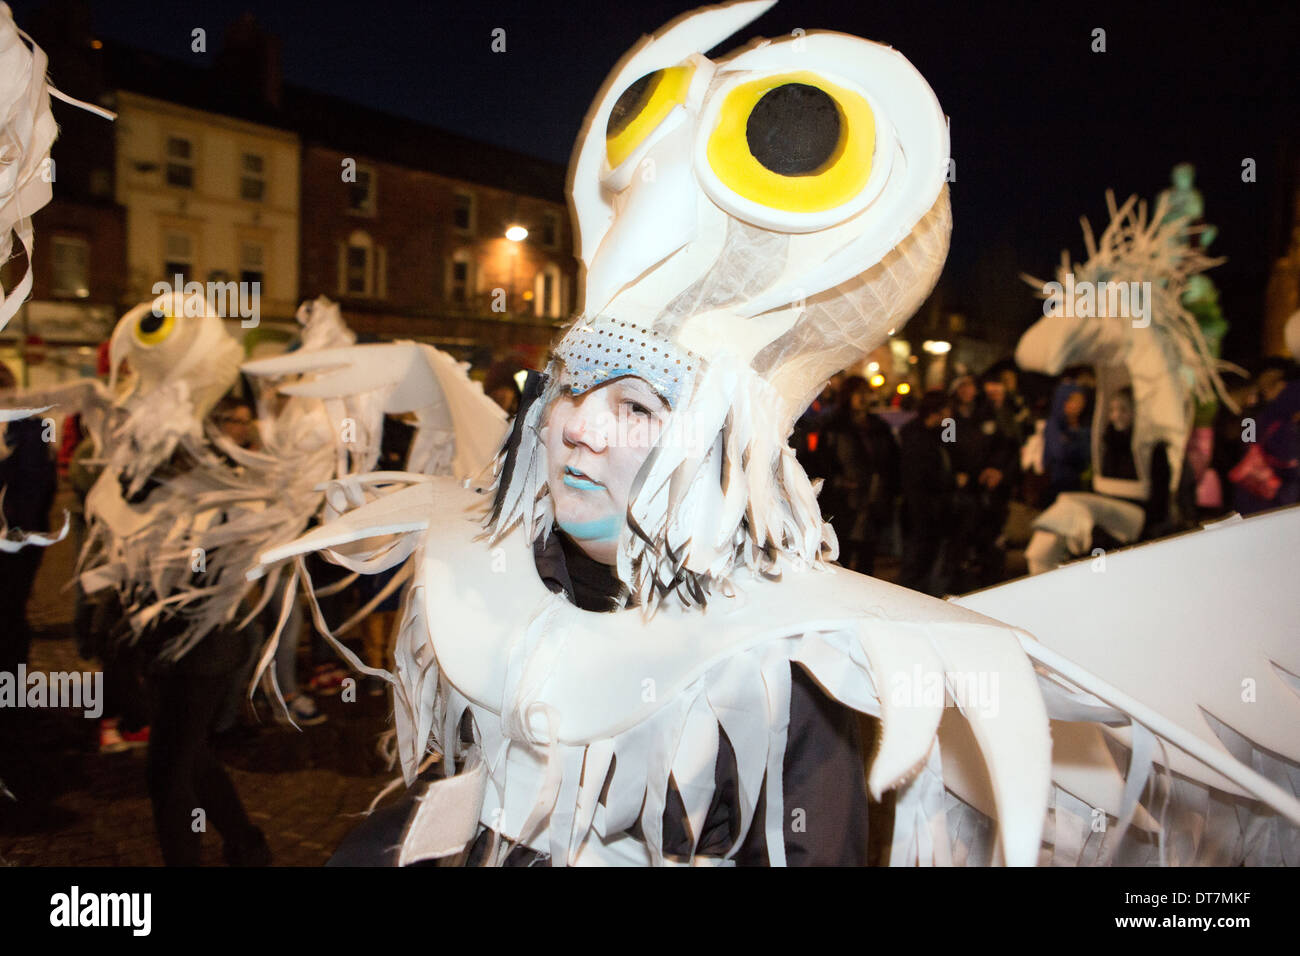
x=824 y=785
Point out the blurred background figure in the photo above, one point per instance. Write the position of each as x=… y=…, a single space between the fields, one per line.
x=1067 y=441
x=928 y=484
x=237 y=421
x=806 y=439
x=500 y=385
x=1267 y=475
x=984 y=455
x=27 y=483
x=1117 y=438
x=860 y=458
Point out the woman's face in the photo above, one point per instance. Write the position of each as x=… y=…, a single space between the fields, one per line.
x=596 y=443
x=1121 y=413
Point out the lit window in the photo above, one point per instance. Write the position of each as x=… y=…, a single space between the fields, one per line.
x=548 y=296
x=361 y=194
x=71 y=267
x=252 y=180
x=462 y=214
x=178 y=256
x=180 y=162
x=250 y=262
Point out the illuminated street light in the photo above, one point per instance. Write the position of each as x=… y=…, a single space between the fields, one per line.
x=877 y=380
x=516 y=233
x=937 y=348
x=904 y=388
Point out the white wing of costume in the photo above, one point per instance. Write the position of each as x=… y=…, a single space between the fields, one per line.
x=458 y=428
x=735 y=315
x=1201 y=629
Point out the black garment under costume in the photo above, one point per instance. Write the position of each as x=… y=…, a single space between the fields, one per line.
x=183 y=770
x=823 y=775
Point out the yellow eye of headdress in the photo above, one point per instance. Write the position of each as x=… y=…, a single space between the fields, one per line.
x=794 y=142
x=153 y=327
x=641 y=108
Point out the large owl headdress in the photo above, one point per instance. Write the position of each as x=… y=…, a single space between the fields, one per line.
x=748 y=227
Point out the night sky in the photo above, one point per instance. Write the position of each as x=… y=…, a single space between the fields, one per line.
x=1041 y=125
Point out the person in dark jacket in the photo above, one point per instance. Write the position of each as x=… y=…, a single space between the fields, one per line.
x=862 y=475
x=1067 y=449
x=27 y=478
x=984 y=463
x=928 y=485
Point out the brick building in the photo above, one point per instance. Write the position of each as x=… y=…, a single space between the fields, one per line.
x=221 y=171
x=406 y=226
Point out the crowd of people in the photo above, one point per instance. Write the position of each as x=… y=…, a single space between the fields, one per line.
x=929 y=480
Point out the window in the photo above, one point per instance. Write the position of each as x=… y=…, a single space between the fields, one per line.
x=549 y=292
x=71 y=267
x=357 y=276
x=178 y=256
x=550 y=230
x=362 y=267
x=252 y=180
x=460 y=278
x=361 y=194
x=180 y=162
x=462 y=213
x=250 y=262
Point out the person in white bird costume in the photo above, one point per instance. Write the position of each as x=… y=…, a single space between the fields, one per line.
x=632 y=646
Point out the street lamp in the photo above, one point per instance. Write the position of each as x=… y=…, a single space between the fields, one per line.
x=516 y=233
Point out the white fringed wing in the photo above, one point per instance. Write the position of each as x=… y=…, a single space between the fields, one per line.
x=1200 y=630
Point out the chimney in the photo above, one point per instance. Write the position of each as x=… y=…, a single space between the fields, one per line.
x=250 y=60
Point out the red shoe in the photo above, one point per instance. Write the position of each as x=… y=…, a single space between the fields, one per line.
x=136 y=738
x=327 y=679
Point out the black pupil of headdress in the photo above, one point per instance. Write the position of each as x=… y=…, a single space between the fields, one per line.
x=630 y=104
x=794 y=129
x=151 y=322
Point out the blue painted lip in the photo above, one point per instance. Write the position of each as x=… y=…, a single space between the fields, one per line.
x=579 y=481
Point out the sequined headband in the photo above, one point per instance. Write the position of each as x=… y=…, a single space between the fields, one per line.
x=608 y=349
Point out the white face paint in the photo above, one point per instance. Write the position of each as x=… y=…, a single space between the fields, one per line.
x=595 y=444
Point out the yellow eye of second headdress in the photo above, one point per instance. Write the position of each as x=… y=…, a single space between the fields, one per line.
x=153 y=328
x=641 y=108
x=793 y=141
